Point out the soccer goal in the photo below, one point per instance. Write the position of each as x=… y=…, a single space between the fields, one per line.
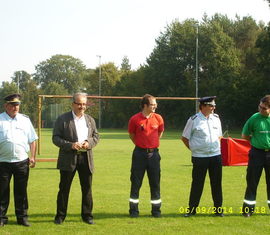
x=55 y=108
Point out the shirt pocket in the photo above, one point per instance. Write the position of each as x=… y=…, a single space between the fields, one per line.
x=20 y=133
x=4 y=132
x=216 y=131
x=2 y=135
x=200 y=132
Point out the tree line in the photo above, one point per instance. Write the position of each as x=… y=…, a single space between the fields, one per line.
x=233 y=64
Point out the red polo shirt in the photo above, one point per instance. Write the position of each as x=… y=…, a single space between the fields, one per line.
x=146 y=130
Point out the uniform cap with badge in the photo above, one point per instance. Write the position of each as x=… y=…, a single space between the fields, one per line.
x=210 y=100
x=13 y=99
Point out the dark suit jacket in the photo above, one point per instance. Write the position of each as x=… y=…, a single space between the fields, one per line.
x=64 y=134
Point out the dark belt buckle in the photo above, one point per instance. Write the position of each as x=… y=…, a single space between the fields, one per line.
x=150 y=150
x=80 y=152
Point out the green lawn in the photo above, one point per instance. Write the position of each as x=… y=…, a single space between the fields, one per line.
x=111 y=193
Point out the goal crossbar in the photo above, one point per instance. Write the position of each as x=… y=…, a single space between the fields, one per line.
x=42 y=97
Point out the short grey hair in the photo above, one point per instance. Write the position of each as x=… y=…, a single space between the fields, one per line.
x=83 y=94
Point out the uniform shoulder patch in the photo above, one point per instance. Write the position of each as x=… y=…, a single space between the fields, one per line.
x=25 y=115
x=193 y=117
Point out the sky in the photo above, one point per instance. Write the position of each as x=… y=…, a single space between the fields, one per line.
x=31 y=31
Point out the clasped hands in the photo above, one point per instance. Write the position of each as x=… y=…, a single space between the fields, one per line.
x=80 y=146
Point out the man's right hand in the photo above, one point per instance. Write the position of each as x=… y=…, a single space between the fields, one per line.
x=76 y=146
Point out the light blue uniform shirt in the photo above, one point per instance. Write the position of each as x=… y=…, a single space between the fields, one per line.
x=203 y=135
x=15 y=136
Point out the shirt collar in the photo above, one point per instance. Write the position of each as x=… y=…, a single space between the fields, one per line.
x=76 y=117
x=203 y=117
x=150 y=115
x=9 y=118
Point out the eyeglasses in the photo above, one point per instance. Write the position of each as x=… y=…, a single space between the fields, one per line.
x=263 y=108
x=80 y=104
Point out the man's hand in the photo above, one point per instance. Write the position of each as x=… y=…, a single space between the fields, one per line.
x=76 y=146
x=32 y=162
x=85 y=145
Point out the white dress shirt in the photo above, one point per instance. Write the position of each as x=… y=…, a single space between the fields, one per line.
x=81 y=127
x=203 y=135
x=15 y=136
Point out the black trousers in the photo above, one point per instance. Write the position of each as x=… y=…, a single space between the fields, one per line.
x=258 y=160
x=200 y=167
x=66 y=178
x=149 y=162
x=20 y=173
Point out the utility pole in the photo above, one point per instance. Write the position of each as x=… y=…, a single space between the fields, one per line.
x=99 y=92
x=18 y=82
x=196 y=79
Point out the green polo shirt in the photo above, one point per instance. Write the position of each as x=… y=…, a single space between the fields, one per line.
x=258 y=127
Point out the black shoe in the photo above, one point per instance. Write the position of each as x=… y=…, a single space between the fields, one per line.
x=88 y=220
x=23 y=221
x=189 y=214
x=156 y=215
x=247 y=214
x=134 y=215
x=218 y=214
x=3 y=221
x=58 y=220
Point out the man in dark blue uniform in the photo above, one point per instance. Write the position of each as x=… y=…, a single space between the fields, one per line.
x=202 y=135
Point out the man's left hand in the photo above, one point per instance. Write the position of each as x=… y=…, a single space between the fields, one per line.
x=32 y=162
x=85 y=145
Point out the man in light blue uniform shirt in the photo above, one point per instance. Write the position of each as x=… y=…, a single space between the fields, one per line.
x=202 y=135
x=17 y=138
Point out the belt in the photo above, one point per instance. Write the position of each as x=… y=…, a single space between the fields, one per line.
x=148 y=150
x=264 y=150
x=80 y=152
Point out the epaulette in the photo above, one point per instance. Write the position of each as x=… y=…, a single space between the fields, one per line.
x=25 y=115
x=193 y=117
x=215 y=115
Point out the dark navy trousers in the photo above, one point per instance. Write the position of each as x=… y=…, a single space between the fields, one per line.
x=200 y=167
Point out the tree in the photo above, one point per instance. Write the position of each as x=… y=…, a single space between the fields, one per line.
x=21 y=78
x=225 y=51
x=131 y=84
x=170 y=70
x=6 y=89
x=55 y=88
x=91 y=81
x=125 y=65
x=110 y=76
x=28 y=91
x=29 y=104
x=53 y=107
x=263 y=57
x=62 y=69
x=172 y=60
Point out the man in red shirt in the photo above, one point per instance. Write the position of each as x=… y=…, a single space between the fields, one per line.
x=145 y=129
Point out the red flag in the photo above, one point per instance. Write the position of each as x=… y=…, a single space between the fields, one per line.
x=234 y=151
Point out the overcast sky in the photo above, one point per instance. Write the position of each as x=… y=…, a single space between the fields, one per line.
x=32 y=31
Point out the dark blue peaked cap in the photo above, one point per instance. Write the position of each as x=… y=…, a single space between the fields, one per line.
x=208 y=100
x=13 y=99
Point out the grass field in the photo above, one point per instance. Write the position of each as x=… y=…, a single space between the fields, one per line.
x=111 y=193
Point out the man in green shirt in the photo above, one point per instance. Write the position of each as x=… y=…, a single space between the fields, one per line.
x=257 y=131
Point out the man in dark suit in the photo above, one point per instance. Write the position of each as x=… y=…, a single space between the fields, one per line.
x=75 y=133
